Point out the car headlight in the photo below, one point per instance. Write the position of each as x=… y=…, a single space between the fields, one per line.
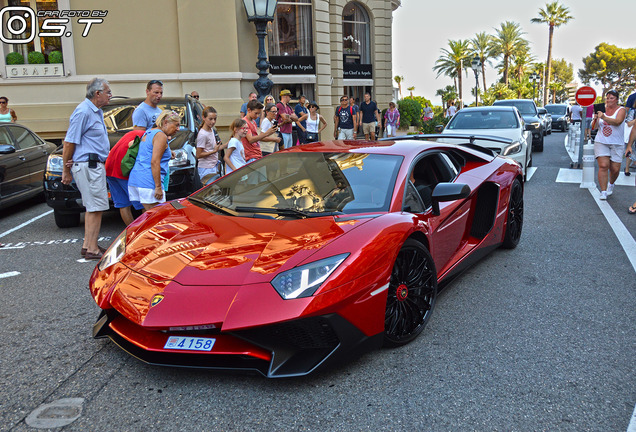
x=114 y=252
x=513 y=148
x=55 y=164
x=535 y=125
x=303 y=281
x=180 y=158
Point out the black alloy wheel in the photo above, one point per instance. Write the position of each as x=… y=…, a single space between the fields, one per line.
x=411 y=296
x=514 y=222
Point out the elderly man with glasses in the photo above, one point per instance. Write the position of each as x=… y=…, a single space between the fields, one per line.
x=86 y=148
x=146 y=113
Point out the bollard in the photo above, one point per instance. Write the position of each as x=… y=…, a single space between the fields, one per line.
x=587 y=179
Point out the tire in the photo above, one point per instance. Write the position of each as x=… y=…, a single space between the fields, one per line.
x=514 y=219
x=539 y=146
x=66 y=219
x=412 y=294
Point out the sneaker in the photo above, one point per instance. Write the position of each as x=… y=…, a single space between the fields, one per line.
x=610 y=189
x=603 y=195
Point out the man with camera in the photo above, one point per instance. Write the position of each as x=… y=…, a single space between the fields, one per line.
x=86 y=148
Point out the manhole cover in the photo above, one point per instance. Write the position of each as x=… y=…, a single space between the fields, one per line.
x=56 y=414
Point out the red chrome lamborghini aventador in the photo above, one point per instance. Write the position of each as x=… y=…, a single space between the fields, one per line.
x=306 y=256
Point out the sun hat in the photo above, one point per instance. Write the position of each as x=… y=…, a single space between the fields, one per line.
x=285 y=92
x=313 y=103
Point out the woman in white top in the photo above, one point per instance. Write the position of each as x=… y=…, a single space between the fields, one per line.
x=609 y=142
x=269 y=147
x=315 y=123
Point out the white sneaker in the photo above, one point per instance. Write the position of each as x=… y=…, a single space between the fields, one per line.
x=603 y=195
x=610 y=189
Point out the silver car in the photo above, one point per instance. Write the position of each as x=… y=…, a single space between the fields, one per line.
x=498 y=121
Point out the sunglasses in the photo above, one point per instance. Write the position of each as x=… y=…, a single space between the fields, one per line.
x=196 y=97
x=155 y=82
x=3 y=102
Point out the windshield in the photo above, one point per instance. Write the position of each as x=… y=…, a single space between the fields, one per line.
x=482 y=119
x=524 y=107
x=305 y=184
x=119 y=117
x=558 y=110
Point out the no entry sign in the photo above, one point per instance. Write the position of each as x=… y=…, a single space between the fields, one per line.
x=585 y=96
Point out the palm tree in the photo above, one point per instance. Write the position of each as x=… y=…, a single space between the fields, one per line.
x=507 y=43
x=481 y=44
x=453 y=61
x=410 y=89
x=398 y=79
x=448 y=93
x=554 y=15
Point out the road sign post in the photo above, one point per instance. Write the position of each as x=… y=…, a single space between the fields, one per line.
x=585 y=96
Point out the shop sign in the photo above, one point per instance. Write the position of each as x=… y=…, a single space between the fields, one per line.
x=292 y=65
x=357 y=71
x=34 y=71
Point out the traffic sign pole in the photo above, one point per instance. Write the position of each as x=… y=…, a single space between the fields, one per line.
x=585 y=96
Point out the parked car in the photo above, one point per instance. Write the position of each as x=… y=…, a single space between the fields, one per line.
x=307 y=256
x=495 y=121
x=546 y=118
x=23 y=157
x=560 y=115
x=184 y=177
x=530 y=114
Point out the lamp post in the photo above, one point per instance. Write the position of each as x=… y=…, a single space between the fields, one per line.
x=476 y=64
x=260 y=12
x=534 y=78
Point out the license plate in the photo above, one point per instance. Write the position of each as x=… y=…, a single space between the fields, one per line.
x=189 y=343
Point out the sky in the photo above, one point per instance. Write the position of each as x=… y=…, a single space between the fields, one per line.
x=421 y=28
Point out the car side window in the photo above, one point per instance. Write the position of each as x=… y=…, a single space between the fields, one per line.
x=412 y=199
x=5 y=138
x=24 y=139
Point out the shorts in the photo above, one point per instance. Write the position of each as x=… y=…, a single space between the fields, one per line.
x=615 y=152
x=287 y=140
x=345 y=134
x=208 y=175
x=368 y=128
x=91 y=183
x=144 y=195
x=119 y=193
x=588 y=122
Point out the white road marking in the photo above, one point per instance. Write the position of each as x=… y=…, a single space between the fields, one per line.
x=9 y=274
x=22 y=245
x=530 y=172
x=632 y=424
x=624 y=237
x=575 y=175
x=26 y=223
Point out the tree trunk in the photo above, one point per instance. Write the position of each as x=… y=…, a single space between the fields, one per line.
x=459 y=80
x=506 y=58
x=483 y=74
x=549 y=66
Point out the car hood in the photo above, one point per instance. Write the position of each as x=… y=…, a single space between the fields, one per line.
x=513 y=134
x=193 y=246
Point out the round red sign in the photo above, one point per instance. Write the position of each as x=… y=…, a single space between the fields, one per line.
x=585 y=96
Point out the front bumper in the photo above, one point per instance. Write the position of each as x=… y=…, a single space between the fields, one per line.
x=292 y=348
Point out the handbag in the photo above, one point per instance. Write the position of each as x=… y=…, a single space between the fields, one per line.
x=312 y=137
x=128 y=161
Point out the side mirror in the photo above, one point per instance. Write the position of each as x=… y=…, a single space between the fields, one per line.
x=439 y=128
x=448 y=192
x=6 y=149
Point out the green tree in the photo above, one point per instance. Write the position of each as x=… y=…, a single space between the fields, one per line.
x=410 y=89
x=563 y=74
x=453 y=60
x=410 y=112
x=448 y=93
x=480 y=44
x=507 y=43
x=610 y=66
x=399 y=79
x=554 y=15
x=496 y=92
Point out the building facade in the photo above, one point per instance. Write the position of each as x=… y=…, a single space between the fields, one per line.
x=320 y=48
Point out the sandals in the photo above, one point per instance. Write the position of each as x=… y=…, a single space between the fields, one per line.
x=631 y=209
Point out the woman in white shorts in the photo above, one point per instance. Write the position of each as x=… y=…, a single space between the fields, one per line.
x=149 y=176
x=609 y=143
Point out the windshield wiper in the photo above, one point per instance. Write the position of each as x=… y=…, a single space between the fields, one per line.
x=278 y=211
x=212 y=205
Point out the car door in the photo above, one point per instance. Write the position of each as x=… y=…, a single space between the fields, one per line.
x=15 y=177
x=448 y=229
x=33 y=150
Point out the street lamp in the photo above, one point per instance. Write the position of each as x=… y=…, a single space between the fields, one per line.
x=534 y=78
x=476 y=64
x=260 y=12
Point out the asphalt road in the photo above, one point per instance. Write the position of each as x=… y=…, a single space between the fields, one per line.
x=540 y=338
